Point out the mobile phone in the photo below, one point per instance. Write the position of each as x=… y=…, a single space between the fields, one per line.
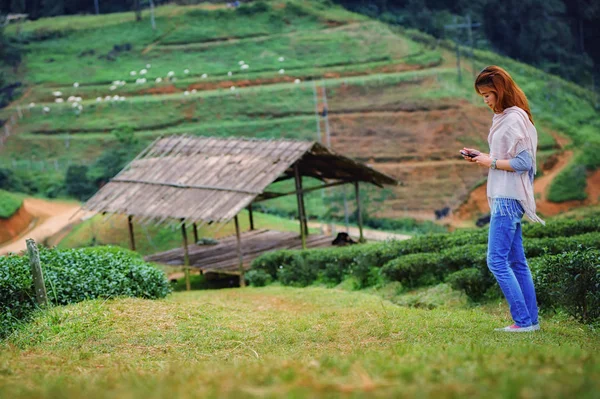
x=469 y=154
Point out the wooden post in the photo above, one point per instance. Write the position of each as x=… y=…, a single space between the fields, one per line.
x=195 y=233
x=186 y=256
x=359 y=213
x=251 y=217
x=131 y=237
x=300 y=208
x=239 y=251
x=36 y=272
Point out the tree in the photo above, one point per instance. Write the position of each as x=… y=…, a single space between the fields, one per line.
x=77 y=183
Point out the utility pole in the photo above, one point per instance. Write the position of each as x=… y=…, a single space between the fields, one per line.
x=456 y=27
x=152 y=21
x=325 y=116
x=316 y=100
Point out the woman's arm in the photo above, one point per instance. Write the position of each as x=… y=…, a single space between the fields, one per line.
x=521 y=163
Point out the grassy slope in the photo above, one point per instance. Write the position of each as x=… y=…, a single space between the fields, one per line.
x=316 y=41
x=9 y=203
x=278 y=342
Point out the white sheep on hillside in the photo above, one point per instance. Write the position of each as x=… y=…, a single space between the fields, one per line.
x=186 y=71
x=281 y=71
x=281 y=59
x=241 y=63
x=59 y=100
x=186 y=93
x=132 y=73
x=98 y=99
x=76 y=84
x=57 y=93
x=46 y=110
x=143 y=71
x=170 y=74
x=245 y=66
x=297 y=81
x=158 y=80
x=229 y=73
x=113 y=87
x=232 y=88
x=204 y=76
x=31 y=105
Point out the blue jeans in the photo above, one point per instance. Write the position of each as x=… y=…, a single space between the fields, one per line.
x=506 y=260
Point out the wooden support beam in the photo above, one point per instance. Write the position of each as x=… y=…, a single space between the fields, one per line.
x=195 y=233
x=239 y=251
x=131 y=237
x=251 y=217
x=300 y=203
x=359 y=212
x=267 y=195
x=186 y=256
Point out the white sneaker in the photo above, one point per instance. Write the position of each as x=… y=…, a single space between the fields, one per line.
x=536 y=327
x=516 y=329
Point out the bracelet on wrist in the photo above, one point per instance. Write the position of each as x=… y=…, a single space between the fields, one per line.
x=493 y=165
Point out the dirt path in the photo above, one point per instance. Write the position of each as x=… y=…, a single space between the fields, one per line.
x=52 y=216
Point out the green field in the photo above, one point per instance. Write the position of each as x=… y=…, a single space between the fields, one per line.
x=286 y=342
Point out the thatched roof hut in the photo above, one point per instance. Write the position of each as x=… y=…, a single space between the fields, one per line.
x=198 y=180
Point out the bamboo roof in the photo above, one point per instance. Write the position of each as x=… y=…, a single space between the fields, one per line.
x=210 y=180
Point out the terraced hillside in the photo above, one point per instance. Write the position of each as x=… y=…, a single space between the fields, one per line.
x=267 y=70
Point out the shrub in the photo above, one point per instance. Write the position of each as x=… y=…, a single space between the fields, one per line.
x=569 y=184
x=561 y=228
x=254 y=8
x=298 y=272
x=75 y=275
x=542 y=246
x=413 y=270
x=420 y=269
x=258 y=278
x=9 y=204
x=571 y=280
x=472 y=281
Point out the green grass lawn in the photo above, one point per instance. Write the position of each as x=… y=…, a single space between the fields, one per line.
x=287 y=342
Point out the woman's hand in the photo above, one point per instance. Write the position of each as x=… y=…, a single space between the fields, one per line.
x=483 y=160
x=470 y=151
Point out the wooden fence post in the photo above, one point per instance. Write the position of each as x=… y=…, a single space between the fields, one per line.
x=36 y=272
x=186 y=256
x=239 y=251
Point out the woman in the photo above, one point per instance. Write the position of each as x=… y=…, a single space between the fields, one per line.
x=513 y=143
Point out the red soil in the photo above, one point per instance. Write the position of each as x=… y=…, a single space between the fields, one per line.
x=13 y=226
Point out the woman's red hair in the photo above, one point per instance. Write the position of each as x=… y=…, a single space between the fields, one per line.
x=508 y=94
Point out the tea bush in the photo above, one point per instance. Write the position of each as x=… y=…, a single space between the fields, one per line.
x=571 y=281
x=75 y=275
